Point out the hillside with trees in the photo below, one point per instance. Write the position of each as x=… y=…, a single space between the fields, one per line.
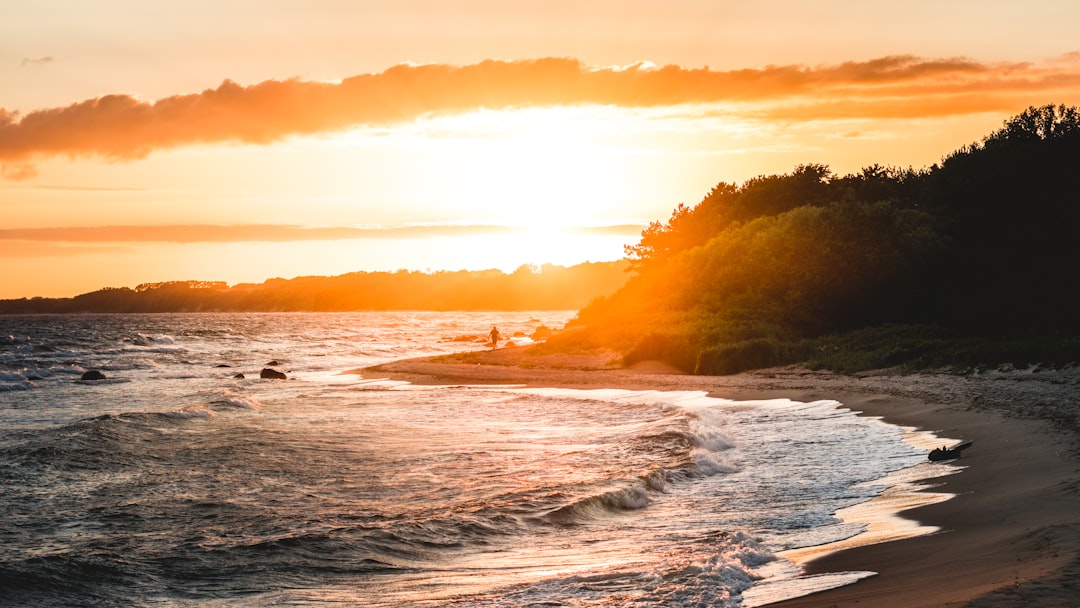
x=970 y=262
x=546 y=287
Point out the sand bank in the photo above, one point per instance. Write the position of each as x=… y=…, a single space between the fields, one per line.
x=1009 y=537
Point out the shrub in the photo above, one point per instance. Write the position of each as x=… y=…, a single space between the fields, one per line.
x=747 y=355
x=678 y=350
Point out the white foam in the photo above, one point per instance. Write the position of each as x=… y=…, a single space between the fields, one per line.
x=141 y=339
x=707 y=428
x=772 y=591
x=192 y=411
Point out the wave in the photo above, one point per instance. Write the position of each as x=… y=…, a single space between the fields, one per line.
x=108 y=443
x=192 y=411
x=23 y=385
x=140 y=339
x=39 y=354
x=711 y=570
x=686 y=443
x=103 y=381
x=70 y=578
x=607 y=503
x=236 y=400
x=14 y=340
x=638 y=493
x=129 y=365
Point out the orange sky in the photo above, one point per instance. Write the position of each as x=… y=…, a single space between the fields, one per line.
x=238 y=142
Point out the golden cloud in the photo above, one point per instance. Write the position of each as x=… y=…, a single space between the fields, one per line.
x=123 y=127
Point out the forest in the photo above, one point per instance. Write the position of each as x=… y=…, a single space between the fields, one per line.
x=546 y=287
x=971 y=262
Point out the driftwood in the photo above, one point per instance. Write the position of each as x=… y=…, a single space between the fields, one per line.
x=944 y=453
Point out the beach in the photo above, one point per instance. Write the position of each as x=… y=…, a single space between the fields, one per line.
x=1008 y=537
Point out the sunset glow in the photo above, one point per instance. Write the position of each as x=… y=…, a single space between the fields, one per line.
x=136 y=145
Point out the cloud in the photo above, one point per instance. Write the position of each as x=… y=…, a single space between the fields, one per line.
x=32 y=61
x=32 y=249
x=209 y=233
x=88 y=188
x=18 y=171
x=123 y=127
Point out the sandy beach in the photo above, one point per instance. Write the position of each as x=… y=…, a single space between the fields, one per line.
x=1009 y=537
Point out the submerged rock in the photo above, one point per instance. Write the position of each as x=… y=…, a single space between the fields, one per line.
x=92 y=375
x=272 y=374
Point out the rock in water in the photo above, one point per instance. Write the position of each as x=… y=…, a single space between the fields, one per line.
x=272 y=374
x=92 y=375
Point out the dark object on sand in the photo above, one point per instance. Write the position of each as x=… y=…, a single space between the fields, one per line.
x=92 y=375
x=271 y=373
x=949 y=453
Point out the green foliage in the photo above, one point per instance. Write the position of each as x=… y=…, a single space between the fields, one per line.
x=810 y=269
x=916 y=347
x=746 y=355
x=1044 y=123
x=770 y=271
x=677 y=349
x=726 y=205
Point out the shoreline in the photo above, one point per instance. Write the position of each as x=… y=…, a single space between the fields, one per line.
x=1010 y=534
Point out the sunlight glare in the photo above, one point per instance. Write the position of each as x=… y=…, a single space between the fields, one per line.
x=535 y=167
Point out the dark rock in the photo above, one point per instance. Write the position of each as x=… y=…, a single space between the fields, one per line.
x=273 y=374
x=274 y=362
x=239 y=376
x=222 y=365
x=92 y=375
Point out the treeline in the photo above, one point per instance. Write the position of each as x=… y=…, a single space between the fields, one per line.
x=971 y=261
x=546 y=287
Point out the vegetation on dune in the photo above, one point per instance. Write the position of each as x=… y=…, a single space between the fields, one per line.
x=969 y=262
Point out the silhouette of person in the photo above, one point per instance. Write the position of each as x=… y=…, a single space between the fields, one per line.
x=494 y=335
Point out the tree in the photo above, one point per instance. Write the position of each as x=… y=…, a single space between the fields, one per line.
x=1043 y=123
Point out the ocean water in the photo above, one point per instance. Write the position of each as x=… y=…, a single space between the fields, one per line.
x=174 y=483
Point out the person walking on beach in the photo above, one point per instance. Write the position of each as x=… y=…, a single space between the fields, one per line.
x=494 y=335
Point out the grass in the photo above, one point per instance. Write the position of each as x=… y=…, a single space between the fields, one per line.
x=917 y=347
x=904 y=347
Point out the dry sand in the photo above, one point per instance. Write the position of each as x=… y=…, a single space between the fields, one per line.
x=1009 y=537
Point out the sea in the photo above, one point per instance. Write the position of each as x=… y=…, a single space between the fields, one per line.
x=183 y=478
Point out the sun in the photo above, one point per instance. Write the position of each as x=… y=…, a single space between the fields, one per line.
x=534 y=167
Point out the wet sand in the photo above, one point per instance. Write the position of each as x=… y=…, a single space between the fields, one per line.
x=1009 y=537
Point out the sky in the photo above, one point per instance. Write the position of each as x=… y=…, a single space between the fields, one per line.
x=238 y=141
